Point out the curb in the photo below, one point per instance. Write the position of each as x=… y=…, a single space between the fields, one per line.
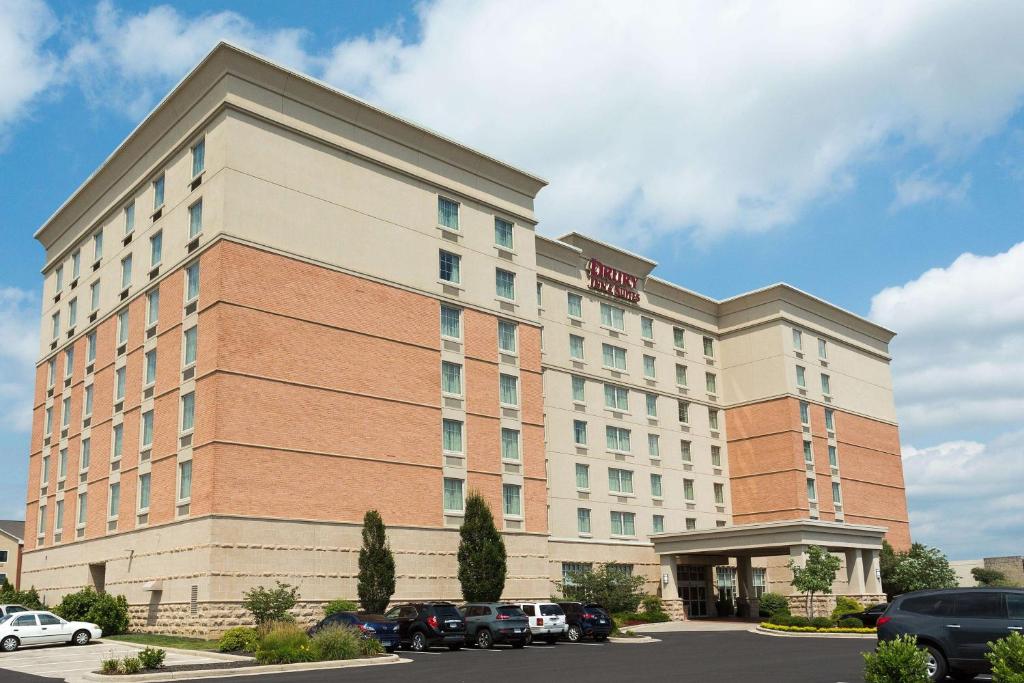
x=642 y=640
x=218 y=656
x=248 y=670
x=797 y=634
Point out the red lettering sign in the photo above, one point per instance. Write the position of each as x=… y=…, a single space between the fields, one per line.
x=612 y=281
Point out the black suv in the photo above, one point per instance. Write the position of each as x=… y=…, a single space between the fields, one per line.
x=586 y=620
x=422 y=625
x=955 y=626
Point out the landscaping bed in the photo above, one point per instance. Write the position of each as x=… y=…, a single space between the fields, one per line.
x=158 y=640
x=767 y=625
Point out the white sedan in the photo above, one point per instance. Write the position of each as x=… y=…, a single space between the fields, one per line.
x=24 y=629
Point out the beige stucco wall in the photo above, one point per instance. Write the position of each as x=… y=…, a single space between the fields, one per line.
x=9 y=568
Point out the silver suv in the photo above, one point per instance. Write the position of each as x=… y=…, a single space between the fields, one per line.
x=547 y=621
x=11 y=609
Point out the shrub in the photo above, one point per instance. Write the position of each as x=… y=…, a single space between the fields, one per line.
x=896 y=661
x=850 y=622
x=845 y=605
x=335 y=606
x=652 y=603
x=110 y=666
x=482 y=556
x=29 y=598
x=108 y=612
x=284 y=643
x=269 y=605
x=1007 y=658
x=130 y=665
x=74 y=606
x=239 y=639
x=337 y=642
x=774 y=603
x=608 y=585
x=371 y=647
x=376 y=582
x=626 y=618
x=822 y=622
x=152 y=658
x=799 y=621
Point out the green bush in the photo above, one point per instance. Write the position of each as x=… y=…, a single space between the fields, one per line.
x=1007 y=658
x=822 y=622
x=268 y=605
x=335 y=606
x=108 y=612
x=652 y=603
x=850 y=622
x=371 y=647
x=29 y=598
x=608 y=585
x=896 y=661
x=337 y=642
x=239 y=639
x=110 y=666
x=774 y=603
x=799 y=621
x=130 y=665
x=626 y=618
x=376 y=582
x=845 y=605
x=284 y=643
x=152 y=657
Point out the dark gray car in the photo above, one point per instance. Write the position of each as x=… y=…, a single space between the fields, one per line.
x=490 y=623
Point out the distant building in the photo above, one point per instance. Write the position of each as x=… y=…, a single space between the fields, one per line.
x=12 y=542
x=1012 y=567
x=963 y=572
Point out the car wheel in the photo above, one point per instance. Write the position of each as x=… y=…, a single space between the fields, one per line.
x=81 y=637
x=484 y=640
x=529 y=638
x=936 y=664
x=419 y=642
x=9 y=644
x=574 y=634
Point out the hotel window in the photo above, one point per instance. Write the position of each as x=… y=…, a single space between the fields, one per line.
x=195 y=219
x=719 y=494
x=760 y=581
x=649 y=368
x=512 y=498
x=826 y=385
x=505 y=284
x=451 y=431
x=680 y=375
x=90 y=347
x=122 y=327
x=62 y=464
x=579 y=432
x=833 y=457
x=48 y=422
x=658 y=524
x=805 y=413
x=55 y=320
x=822 y=349
x=119 y=383
x=583 y=520
x=152 y=306
x=87 y=402
x=451 y=322
x=158 y=192
x=575 y=305
x=126 y=272
x=73 y=312
x=570 y=569
x=69 y=361
x=801 y=377
x=42 y=520
x=652 y=405
x=76 y=264
x=678 y=337
x=115 y=500
x=653 y=446
x=191 y=345
x=144 y=483
x=617 y=439
x=451 y=378
x=188 y=411
x=129 y=221
x=65 y=412
x=684 y=450
x=58 y=518
x=51 y=371
x=156 y=249
x=198 y=157
x=646 y=327
x=613 y=316
x=59 y=278
x=830 y=424
x=582 y=477
x=448 y=213
x=713 y=419
x=711 y=382
x=684 y=412
x=94 y=296
x=509 y=389
x=716 y=456
x=453 y=500
x=808 y=452
x=575 y=347
x=579 y=389
x=503 y=233
x=86 y=455
x=510 y=444
x=97 y=245
x=613 y=357
x=185 y=480
x=118 y=446
x=540 y=294
x=623 y=524
x=44 y=472
x=812 y=492
x=83 y=507
x=798 y=340
x=192 y=282
x=688 y=490
x=691 y=523
x=656 y=486
x=709 y=347
x=147 y=429
x=507 y=336
x=448 y=267
x=615 y=397
x=836 y=498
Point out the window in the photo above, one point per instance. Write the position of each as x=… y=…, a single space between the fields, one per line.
x=575 y=347
x=451 y=378
x=188 y=411
x=512 y=498
x=97 y=243
x=449 y=265
x=716 y=456
x=144 y=482
x=51 y=371
x=805 y=413
x=709 y=347
x=152 y=307
x=505 y=284
x=453 y=500
x=122 y=327
x=191 y=345
x=646 y=327
x=613 y=357
x=826 y=385
x=684 y=412
x=711 y=382
x=583 y=520
x=678 y=337
x=575 y=305
x=448 y=213
x=652 y=405
x=118 y=447
x=613 y=316
x=617 y=439
x=451 y=432
x=688 y=490
x=507 y=336
x=156 y=249
x=59 y=278
x=656 y=485
x=979 y=605
x=808 y=454
x=649 y=369
x=73 y=312
x=615 y=397
x=198 y=157
x=55 y=320
x=540 y=294
x=719 y=494
x=451 y=322
x=801 y=379
x=691 y=523
x=623 y=524
x=509 y=444
x=653 y=446
x=579 y=432
x=185 y=480
x=579 y=389
x=94 y=296
x=620 y=481
x=90 y=347
x=119 y=383
x=822 y=349
x=833 y=458
x=147 y=429
x=798 y=340
x=83 y=507
x=658 y=523
x=509 y=389
x=76 y=264
x=812 y=493
x=680 y=375
x=192 y=282
x=195 y=219
x=42 y=527
x=836 y=498
x=582 y=477
x=65 y=410
x=86 y=455
x=58 y=518
x=760 y=581
x=830 y=424
x=503 y=233
x=62 y=464
x=569 y=569
x=129 y=223
x=684 y=450
x=44 y=472
x=158 y=192
x=69 y=361
x=126 y=272
x=48 y=428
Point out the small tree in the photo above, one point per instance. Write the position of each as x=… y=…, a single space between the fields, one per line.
x=270 y=605
x=816 y=576
x=900 y=660
x=609 y=585
x=482 y=558
x=921 y=568
x=29 y=598
x=991 y=578
x=376 y=565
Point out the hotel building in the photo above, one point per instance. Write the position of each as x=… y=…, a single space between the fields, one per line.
x=276 y=306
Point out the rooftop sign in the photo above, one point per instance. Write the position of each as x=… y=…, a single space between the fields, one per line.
x=612 y=281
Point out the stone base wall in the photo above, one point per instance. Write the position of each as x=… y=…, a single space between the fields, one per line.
x=674 y=608
x=209 y=620
x=824 y=604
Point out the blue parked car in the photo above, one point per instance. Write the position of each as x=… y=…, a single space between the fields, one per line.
x=370 y=625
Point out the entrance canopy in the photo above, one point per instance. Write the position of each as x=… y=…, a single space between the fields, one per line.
x=769 y=538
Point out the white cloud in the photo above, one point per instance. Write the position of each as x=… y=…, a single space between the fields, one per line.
x=28 y=69
x=19 y=347
x=918 y=188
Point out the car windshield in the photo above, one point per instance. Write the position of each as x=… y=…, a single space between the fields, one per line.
x=551 y=610
x=447 y=612
x=16 y=608
x=511 y=612
x=6 y=619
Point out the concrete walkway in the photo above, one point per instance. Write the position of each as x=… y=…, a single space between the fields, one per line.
x=695 y=625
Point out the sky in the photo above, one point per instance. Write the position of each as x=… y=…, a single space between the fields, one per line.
x=871 y=153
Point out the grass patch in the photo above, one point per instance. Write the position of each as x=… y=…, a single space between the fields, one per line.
x=812 y=629
x=158 y=640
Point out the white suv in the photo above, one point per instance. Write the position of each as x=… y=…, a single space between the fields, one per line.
x=547 y=621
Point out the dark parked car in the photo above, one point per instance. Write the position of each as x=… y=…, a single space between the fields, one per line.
x=490 y=623
x=869 y=617
x=955 y=626
x=424 y=625
x=370 y=625
x=586 y=620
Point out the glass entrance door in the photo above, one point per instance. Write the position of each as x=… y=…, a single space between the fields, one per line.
x=693 y=589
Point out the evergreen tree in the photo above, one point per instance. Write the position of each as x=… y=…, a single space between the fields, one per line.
x=482 y=565
x=816 y=576
x=376 y=565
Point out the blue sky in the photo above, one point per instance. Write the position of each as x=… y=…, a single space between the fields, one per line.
x=861 y=152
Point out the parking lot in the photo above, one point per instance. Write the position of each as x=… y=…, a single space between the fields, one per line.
x=67 y=662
